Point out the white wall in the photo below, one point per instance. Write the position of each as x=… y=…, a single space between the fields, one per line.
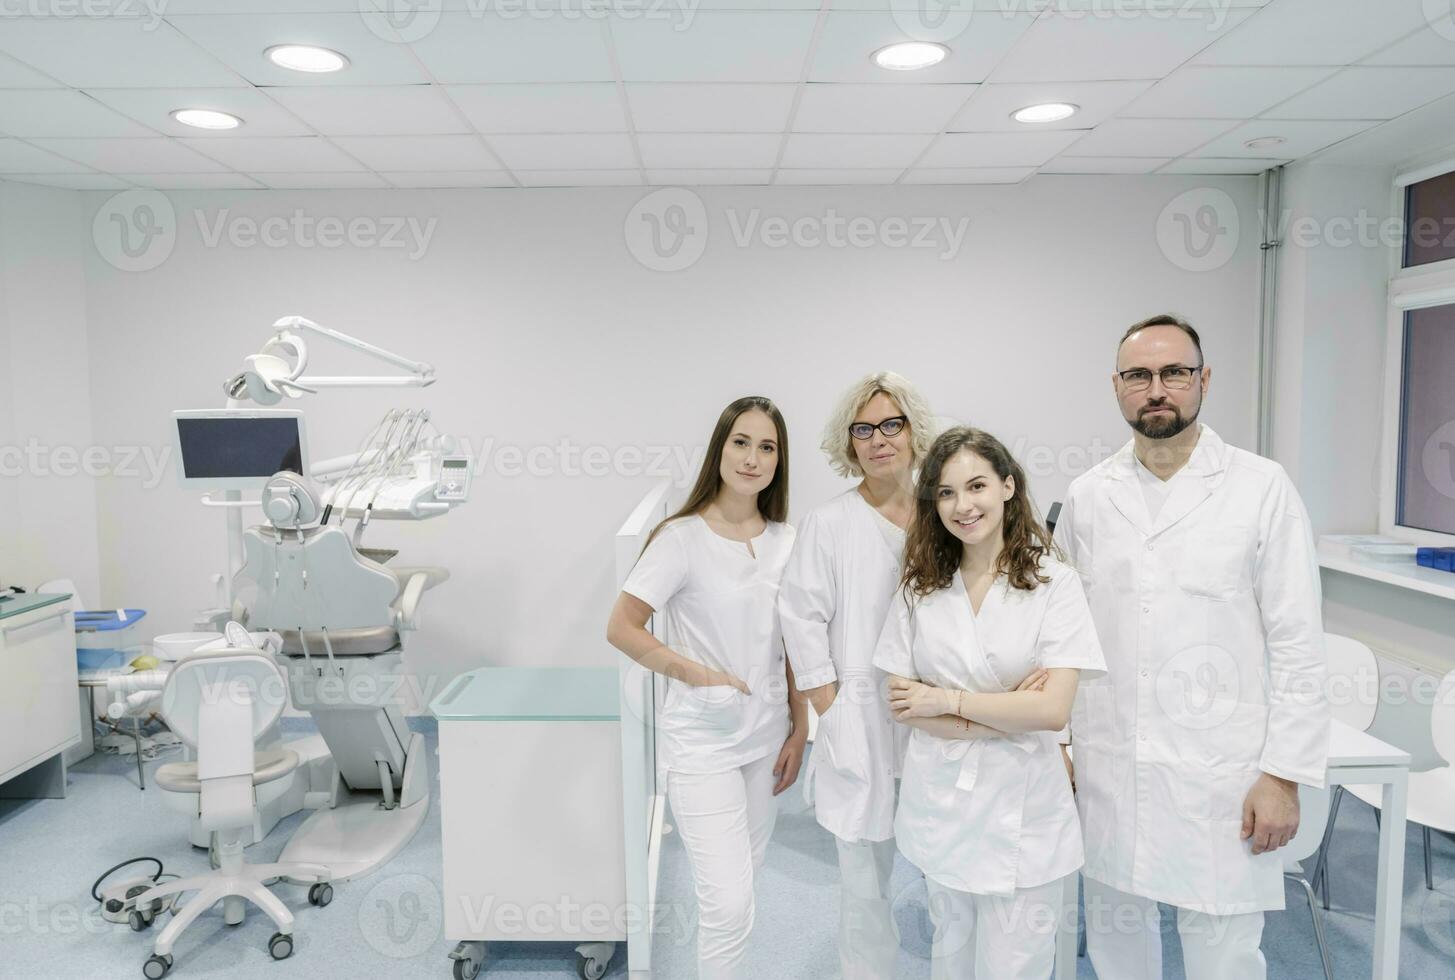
x=48 y=516
x=544 y=327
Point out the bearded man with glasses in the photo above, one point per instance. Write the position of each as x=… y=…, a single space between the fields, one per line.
x=1198 y=562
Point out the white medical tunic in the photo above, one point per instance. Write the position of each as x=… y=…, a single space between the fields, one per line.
x=836 y=590
x=994 y=814
x=720 y=606
x=1209 y=614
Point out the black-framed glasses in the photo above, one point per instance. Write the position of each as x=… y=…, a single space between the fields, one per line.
x=890 y=427
x=1176 y=377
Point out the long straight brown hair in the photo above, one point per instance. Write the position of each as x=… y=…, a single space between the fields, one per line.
x=772 y=499
x=932 y=554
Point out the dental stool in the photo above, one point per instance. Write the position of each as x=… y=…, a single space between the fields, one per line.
x=219 y=704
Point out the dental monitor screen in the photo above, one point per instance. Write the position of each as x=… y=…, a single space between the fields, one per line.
x=239 y=450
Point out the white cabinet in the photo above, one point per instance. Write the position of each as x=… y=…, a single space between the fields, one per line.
x=38 y=718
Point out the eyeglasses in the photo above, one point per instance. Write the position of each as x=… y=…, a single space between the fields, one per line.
x=1175 y=377
x=890 y=427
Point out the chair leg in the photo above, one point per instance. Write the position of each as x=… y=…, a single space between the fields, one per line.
x=1081 y=945
x=196 y=905
x=1321 y=869
x=1318 y=927
x=1429 y=870
x=257 y=893
x=1376 y=817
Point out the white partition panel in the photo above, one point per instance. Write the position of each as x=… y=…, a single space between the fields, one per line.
x=643 y=793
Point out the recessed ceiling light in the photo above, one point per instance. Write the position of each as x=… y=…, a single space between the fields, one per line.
x=306 y=57
x=206 y=118
x=1262 y=141
x=1045 y=112
x=910 y=55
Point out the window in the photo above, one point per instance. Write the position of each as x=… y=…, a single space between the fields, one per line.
x=1430 y=220
x=1426 y=495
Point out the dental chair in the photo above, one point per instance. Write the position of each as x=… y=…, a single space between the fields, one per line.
x=219 y=704
x=344 y=619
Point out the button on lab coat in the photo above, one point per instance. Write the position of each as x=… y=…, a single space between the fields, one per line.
x=992 y=814
x=1209 y=616
x=832 y=601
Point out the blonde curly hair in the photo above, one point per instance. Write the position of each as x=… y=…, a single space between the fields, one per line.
x=838 y=444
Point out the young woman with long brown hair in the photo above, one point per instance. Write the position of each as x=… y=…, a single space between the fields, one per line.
x=986 y=810
x=729 y=735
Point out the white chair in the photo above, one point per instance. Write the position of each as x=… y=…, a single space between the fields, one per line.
x=1313 y=806
x=218 y=704
x=1431 y=799
x=1353 y=686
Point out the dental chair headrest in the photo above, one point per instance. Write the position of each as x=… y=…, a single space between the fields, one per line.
x=289 y=501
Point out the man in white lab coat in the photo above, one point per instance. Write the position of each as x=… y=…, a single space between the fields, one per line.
x=1198 y=561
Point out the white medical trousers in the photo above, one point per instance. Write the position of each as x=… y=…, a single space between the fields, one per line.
x=1124 y=939
x=994 y=937
x=725 y=819
x=868 y=939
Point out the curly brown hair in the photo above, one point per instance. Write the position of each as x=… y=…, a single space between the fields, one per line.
x=932 y=554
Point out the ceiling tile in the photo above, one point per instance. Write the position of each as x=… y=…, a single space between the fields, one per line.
x=588 y=151
x=238 y=40
x=120 y=52
x=322 y=180
x=1369 y=93
x=1302 y=138
x=997 y=149
x=686 y=151
x=373 y=110
x=839 y=176
x=61 y=112
x=850 y=37
x=1315 y=32
x=22 y=158
x=480 y=46
x=79 y=182
x=1149 y=137
x=1072 y=47
x=468 y=178
x=276 y=154
x=261 y=116
x=579 y=178
x=1220 y=165
x=140 y=156
x=1222 y=93
x=1103 y=165
x=15 y=75
x=967 y=175
x=581 y=107
x=1426 y=47
x=665 y=107
x=990 y=108
x=718 y=46
x=260 y=6
x=824 y=151
x=852 y=108
x=419 y=152
x=700 y=177
x=191 y=182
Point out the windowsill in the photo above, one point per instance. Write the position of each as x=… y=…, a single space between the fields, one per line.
x=1417 y=578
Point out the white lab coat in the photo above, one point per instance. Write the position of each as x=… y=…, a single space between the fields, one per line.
x=832 y=600
x=995 y=814
x=1210 y=620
